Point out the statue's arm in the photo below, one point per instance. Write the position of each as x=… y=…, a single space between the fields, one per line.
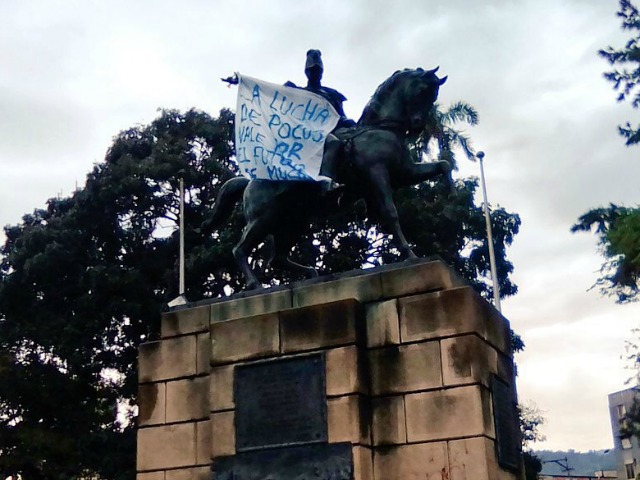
x=232 y=80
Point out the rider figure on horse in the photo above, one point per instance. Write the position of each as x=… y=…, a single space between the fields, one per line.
x=314 y=69
x=333 y=145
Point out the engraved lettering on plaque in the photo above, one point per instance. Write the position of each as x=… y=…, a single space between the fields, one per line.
x=506 y=423
x=280 y=402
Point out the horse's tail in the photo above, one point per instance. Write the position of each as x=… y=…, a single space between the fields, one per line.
x=230 y=194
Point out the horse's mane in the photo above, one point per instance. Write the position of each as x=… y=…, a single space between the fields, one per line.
x=372 y=109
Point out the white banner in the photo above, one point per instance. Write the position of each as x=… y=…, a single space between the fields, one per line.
x=280 y=131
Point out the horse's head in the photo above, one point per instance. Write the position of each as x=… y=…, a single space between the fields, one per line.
x=405 y=98
x=418 y=93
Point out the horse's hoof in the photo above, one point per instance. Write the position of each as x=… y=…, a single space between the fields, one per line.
x=253 y=285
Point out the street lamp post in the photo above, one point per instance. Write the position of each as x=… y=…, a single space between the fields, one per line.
x=492 y=255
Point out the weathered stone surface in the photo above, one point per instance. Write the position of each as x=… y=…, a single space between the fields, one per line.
x=362 y=463
x=475 y=459
x=467 y=359
x=167 y=359
x=269 y=302
x=203 y=353
x=223 y=434
x=405 y=368
x=364 y=288
x=221 y=388
x=150 y=476
x=388 y=423
x=451 y=413
x=452 y=312
x=151 y=404
x=244 y=338
x=181 y=322
x=411 y=462
x=203 y=442
x=344 y=371
x=166 y=446
x=320 y=326
x=418 y=278
x=382 y=324
x=196 y=473
x=347 y=420
x=187 y=399
x=506 y=368
x=438 y=314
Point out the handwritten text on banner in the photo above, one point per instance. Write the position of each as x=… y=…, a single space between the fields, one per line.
x=280 y=131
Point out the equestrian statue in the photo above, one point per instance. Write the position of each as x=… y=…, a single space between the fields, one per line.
x=367 y=160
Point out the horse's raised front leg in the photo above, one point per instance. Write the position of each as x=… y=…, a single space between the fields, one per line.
x=381 y=196
x=252 y=235
x=414 y=173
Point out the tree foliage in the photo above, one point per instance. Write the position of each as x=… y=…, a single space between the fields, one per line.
x=83 y=282
x=625 y=79
x=531 y=421
x=618 y=232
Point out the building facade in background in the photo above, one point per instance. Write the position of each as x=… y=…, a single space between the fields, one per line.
x=627 y=449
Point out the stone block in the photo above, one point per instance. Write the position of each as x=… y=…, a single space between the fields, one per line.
x=167 y=359
x=345 y=371
x=203 y=353
x=364 y=288
x=446 y=414
x=150 y=476
x=221 y=388
x=347 y=420
x=203 y=442
x=188 y=320
x=151 y=404
x=382 y=324
x=320 y=326
x=452 y=312
x=223 y=434
x=187 y=399
x=411 y=462
x=244 y=338
x=196 y=473
x=362 y=463
x=166 y=446
x=475 y=459
x=467 y=359
x=439 y=314
x=405 y=368
x=388 y=423
x=251 y=306
x=418 y=278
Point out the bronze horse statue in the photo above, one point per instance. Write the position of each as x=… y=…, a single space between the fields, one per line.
x=369 y=160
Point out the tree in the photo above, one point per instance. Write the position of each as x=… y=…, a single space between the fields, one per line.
x=531 y=420
x=618 y=231
x=442 y=134
x=83 y=282
x=625 y=81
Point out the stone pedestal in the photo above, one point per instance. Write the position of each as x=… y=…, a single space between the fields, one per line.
x=417 y=381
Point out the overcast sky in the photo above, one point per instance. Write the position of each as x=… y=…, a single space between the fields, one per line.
x=75 y=73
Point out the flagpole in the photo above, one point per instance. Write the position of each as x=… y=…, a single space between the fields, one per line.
x=181 y=289
x=492 y=255
x=181 y=299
